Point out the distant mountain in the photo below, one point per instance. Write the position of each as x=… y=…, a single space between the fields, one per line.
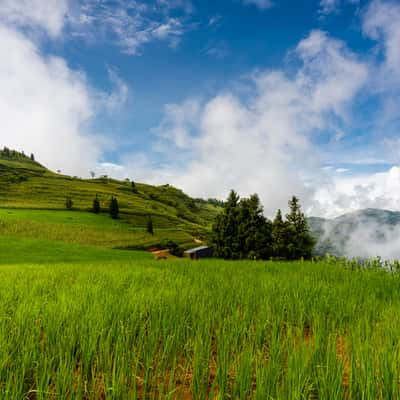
x=364 y=233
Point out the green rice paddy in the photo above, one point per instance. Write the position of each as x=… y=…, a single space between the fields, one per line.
x=129 y=327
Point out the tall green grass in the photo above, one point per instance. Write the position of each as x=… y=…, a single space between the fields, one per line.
x=198 y=330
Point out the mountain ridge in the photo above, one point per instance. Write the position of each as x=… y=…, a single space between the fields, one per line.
x=351 y=234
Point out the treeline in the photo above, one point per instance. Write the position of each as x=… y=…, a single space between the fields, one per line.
x=9 y=154
x=242 y=231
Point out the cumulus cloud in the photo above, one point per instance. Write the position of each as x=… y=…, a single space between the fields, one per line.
x=263 y=143
x=378 y=190
x=44 y=106
x=47 y=15
x=381 y=22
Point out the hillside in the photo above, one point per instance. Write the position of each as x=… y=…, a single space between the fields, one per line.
x=363 y=233
x=32 y=204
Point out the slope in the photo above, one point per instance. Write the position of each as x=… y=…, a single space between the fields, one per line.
x=32 y=204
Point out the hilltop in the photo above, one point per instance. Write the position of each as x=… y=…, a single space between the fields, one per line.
x=32 y=202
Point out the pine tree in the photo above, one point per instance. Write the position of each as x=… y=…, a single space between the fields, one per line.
x=133 y=187
x=32 y=157
x=96 y=205
x=150 y=225
x=114 y=208
x=254 y=230
x=300 y=241
x=279 y=236
x=69 y=203
x=224 y=237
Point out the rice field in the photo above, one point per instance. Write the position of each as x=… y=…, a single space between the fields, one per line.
x=143 y=329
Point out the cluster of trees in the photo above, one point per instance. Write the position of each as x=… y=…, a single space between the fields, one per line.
x=15 y=155
x=242 y=231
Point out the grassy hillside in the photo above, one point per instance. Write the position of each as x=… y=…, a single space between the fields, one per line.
x=32 y=203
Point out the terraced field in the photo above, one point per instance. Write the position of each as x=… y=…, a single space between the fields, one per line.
x=32 y=204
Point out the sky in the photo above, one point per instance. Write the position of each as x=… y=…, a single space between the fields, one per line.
x=277 y=97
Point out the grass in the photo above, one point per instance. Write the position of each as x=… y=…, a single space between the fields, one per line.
x=15 y=250
x=78 y=227
x=137 y=328
x=32 y=205
x=29 y=186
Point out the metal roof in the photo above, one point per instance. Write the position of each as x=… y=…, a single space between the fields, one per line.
x=196 y=249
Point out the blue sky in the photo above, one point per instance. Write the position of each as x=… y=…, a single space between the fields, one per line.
x=275 y=97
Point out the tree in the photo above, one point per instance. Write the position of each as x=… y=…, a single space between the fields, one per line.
x=133 y=186
x=114 y=208
x=96 y=205
x=254 y=230
x=241 y=231
x=92 y=174
x=32 y=157
x=300 y=241
x=69 y=203
x=279 y=236
x=150 y=225
x=224 y=236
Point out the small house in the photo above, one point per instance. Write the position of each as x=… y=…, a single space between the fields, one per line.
x=200 y=252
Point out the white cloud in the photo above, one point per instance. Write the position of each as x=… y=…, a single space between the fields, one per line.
x=44 y=106
x=46 y=14
x=262 y=4
x=333 y=6
x=114 y=100
x=343 y=194
x=129 y=24
x=381 y=22
x=262 y=144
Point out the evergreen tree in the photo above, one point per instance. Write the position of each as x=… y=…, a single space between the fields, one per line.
x=32 y=157
x=69 y=203
x=300 y=241
x=114 y=208
x=224 y=237
x=241 y=231
x=150 y=225
x=133 y=186
x=254 y=230
x=96 y=205
x=279 y=236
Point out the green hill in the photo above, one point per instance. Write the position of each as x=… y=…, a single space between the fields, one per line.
x=32 y=204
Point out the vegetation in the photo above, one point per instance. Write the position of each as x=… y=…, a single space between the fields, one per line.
x=69 y=203
x=96 y=205
x=79 y=227
x=28 y=190
x=114 y=208
x=242 y=232
x=150 y=228
x=81 y=319
x=136 y=328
